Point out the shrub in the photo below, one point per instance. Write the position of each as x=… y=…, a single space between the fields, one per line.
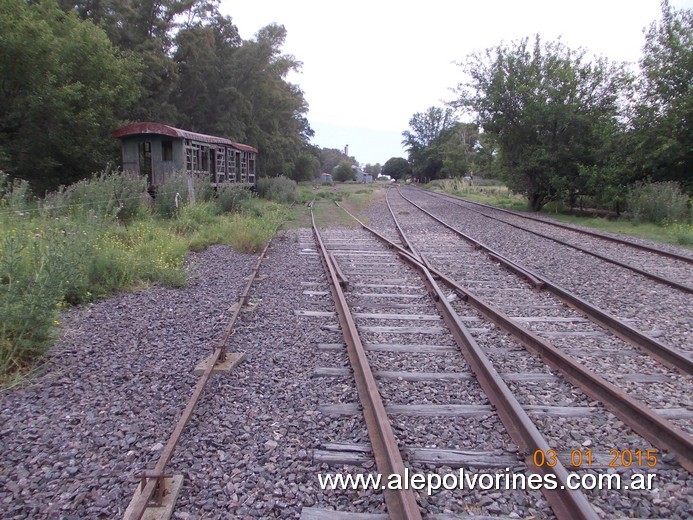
x=279 y=189
x=178 y=190
x=230 y=198
x=121 y=195
x=658 y=202
x=13 y=193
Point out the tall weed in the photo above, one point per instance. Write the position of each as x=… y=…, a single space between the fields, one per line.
x=658 y=202
x=231 y=198
x=278 y=189
x=180 y=190
x=14 y=193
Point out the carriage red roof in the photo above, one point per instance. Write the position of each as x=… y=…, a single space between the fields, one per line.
x=161 y=129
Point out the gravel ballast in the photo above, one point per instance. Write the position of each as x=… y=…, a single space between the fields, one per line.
x=74 y=440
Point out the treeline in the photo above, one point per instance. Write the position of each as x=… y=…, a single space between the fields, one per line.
x=559 y=126
x=72 y=72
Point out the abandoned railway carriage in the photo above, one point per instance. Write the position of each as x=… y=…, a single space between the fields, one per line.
x=156 y=150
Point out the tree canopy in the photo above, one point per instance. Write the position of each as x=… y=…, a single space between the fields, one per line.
x=344 y=171
x=75 y=71
x=396 y=168
x=663 y=122
x=556 y=124
x=64 y=89
x=547 y=108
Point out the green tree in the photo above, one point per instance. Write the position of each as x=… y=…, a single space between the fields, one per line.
x=547 y=108
x=663 y=122
x=306 y=167
x=64 y=89
x=426 y=128
x=344 y=172
x=397 y=168
x=330 y=158
x=276 y=121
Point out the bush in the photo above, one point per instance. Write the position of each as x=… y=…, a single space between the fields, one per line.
x=278 y=189
x=178 y=190
x=230 y=198
x=13 y=193
x=658 y=202
x=121 y=195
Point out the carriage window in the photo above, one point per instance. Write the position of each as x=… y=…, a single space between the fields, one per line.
x=167 y=150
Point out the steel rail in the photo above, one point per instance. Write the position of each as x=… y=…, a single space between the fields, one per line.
x=566 y=503
x=152 y=481
x=652 y=276
x=666 y=354
x=401 y=504
x=635 y=245
x=661 y=432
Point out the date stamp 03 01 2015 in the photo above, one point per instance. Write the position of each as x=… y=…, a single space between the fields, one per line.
x=585 y=458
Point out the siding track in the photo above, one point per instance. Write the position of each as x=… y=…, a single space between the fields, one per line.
x=393 y=323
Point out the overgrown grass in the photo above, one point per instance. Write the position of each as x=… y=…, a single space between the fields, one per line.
x=279 y=189
x=677 y=233
x=103 y=235
x=659 y=202
x=494 y=194
x=660 y=211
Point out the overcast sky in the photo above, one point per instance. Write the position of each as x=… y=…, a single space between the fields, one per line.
x=369 y=66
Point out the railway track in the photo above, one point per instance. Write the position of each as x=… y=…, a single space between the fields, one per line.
x=583 y=283
x=437 y=365
x=512 y=217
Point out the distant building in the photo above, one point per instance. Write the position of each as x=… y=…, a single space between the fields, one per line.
x=363 y=177
x=325 y=178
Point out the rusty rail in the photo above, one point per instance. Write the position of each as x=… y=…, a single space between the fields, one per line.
x=401 y=504
x=652 y=276
x=621 y=241
x=566 y=503
x=666 y=354
x=152 y=481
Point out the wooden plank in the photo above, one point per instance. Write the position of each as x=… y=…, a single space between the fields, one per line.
x=460 y=410
x=523 y=306
x=389 y=316
x=569 y=334
x=549 y=319
x=675 y=413
x=385 y=285
x=315 y=314
x=411 y=348
x=432 y=376
x=644 y=378
x=389 y=295
x=396 y=347
x=314 y=513
x=393 y=305
x=316 y=293
x=402 y=330
x=394 y=330
x=335 y=410
x=461 y=458
x=404 y=376
x=333 y=457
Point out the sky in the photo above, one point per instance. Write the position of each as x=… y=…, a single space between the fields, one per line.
x=369 y=66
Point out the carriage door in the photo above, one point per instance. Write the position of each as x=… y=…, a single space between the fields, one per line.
x=145 y=160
